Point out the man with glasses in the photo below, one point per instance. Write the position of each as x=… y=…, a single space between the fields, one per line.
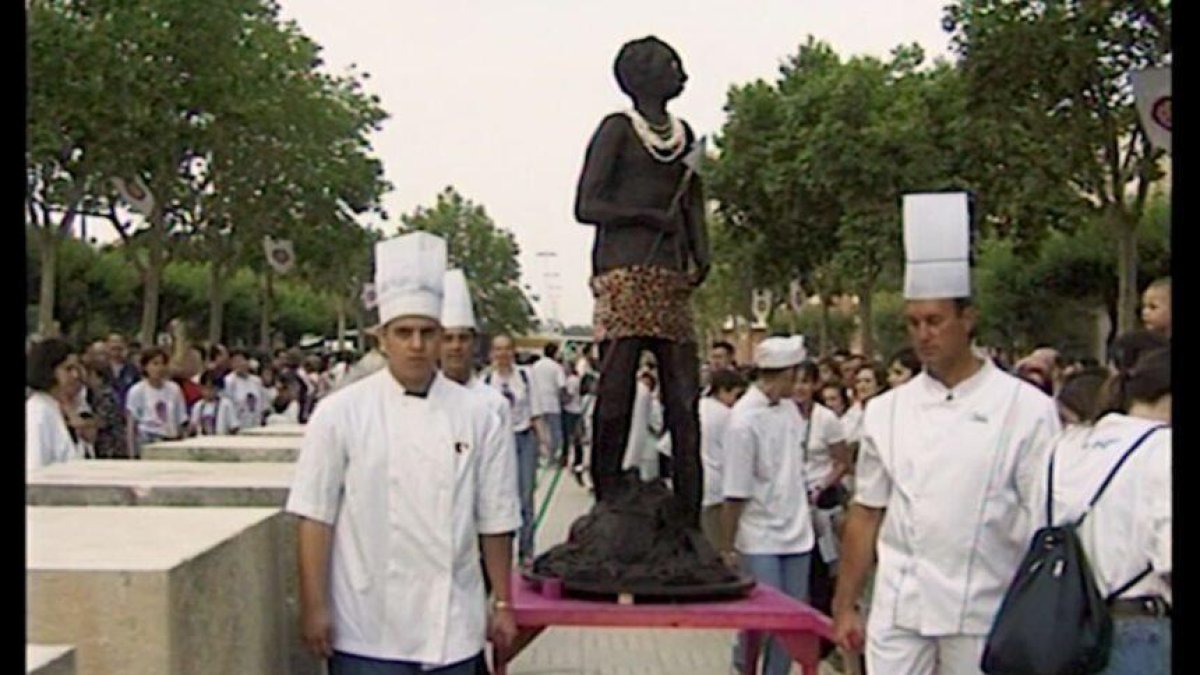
x=516 y=385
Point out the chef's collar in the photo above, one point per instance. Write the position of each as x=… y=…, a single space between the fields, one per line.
x=415 y=394
x=937 y=391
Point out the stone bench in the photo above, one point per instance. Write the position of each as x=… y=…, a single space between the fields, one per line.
x=237 y=448
x=49 y=660
x=153 y=483
x=155 y=590
x=275 y=430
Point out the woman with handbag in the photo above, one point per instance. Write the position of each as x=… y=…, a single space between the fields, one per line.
x=1126 y=534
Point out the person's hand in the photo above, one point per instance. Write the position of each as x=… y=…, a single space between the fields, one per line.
x=316 y=630
x=732 y=560
x=849 y=630
x=502 y=628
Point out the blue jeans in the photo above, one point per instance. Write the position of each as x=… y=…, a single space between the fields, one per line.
x=1141 y=646
x=788 y=573
x=527 y=454
x=349 y=664
x=571 y=438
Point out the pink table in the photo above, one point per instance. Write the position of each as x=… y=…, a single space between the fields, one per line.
x=766 y=610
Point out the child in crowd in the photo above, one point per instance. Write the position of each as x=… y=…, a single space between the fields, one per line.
x=213 y=414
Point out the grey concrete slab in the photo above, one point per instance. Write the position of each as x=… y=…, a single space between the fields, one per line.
x=237 y=448
x=49 y=660
x=159 y=483
x=275 y=430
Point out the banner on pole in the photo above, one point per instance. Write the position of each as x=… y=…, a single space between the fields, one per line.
x=136 y=194
x=1152 y=96
x=280 y=255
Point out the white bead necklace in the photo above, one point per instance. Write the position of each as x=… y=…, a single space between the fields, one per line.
x=664 y=149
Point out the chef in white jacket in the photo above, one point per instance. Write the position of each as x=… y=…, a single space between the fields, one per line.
x=402 y=477
x=946 y=463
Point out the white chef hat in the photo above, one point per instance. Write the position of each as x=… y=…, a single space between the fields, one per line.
x=775 y=353
x=409 y=273
x=937 y=246
x=456 y=303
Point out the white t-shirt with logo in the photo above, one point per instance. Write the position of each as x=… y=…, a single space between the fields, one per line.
x=519 y=390
x=214 y=418
x=249 y=398
x=159 y=412
x=548 y=379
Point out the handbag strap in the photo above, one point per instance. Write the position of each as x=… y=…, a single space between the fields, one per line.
x=1130 y=584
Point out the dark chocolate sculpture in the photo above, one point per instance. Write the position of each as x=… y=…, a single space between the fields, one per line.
x=650 y=253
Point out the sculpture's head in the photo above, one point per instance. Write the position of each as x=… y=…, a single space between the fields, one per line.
x=649 y=68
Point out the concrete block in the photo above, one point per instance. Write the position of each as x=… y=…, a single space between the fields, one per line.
x=237 y=448
x=275 y=430
x=49 y=660
x=156 y=590
x=154 y=483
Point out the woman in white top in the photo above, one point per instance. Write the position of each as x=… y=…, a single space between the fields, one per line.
x=1127 y=534
x=53 y=373
x=155 y=404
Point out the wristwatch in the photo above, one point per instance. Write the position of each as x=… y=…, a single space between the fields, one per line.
x=501 y=605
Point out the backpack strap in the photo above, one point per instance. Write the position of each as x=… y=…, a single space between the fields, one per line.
x=1113 y=472
x=1129 y=584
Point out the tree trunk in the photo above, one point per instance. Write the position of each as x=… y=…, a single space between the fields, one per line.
x=341 y=322
x=1127 y=264
x=216 y=301
x=358 y=328
x=264 y=326
x=48 y=254
x=866 y=328
x=823 y=326
x=151 y=285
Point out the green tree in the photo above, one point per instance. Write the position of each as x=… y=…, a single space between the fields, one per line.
x=486 y=254
x=1048 y=89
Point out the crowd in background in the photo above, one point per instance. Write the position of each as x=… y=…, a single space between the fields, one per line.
x=110 y=398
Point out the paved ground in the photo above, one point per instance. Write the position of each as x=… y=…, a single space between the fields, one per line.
x=612 y=651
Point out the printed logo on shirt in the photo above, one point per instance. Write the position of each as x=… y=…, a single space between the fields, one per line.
x=160 y=410
x=251 y=402
x=208 y=422
x=1103 y=442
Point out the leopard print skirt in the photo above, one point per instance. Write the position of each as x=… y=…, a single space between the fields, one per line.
x=639 y=301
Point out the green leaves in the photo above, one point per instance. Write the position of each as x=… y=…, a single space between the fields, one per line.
x=485 y=253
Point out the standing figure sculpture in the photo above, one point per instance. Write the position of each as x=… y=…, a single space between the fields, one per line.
x=650 y=252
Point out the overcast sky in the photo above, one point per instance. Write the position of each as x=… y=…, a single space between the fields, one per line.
x=499 y=97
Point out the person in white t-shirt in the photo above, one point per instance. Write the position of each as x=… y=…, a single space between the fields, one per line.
x=213 y=414
x=246 y=391
x=572 y=410
x=1127 y=533
x=766 y=525
x=725 y=387
x=52 y=371
x=155 y=404
x=549 y=385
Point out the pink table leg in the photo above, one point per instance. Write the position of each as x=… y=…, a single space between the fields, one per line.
x=501 y=657
x=752 y=646
x=804 y=648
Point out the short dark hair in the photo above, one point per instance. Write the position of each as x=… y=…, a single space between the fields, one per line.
x=630 y=64
x=1128 y=347
x=907 y=357
x=44 y=358
x=1080 y=392
x=725 y=379
x=807 y=370
x=550 y=350
x=722 y=344
x=239 y=352
x=1148 y=381
x=151 y=353
x=209 y=379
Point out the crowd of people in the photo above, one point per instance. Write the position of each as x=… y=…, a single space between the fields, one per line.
x=112 y=397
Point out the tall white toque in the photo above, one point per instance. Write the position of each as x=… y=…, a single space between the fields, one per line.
x=409 y=273
x=937 y=245
x=457 y=311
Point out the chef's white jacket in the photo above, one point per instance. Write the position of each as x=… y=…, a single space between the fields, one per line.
x=1130 y=526
x=764 y=464
x=408 y=484
x=955 y=470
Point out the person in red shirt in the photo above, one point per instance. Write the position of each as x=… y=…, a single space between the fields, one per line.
x=186 y=373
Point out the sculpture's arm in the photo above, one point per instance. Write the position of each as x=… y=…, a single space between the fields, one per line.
x=697 y=230
x=591 y=207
